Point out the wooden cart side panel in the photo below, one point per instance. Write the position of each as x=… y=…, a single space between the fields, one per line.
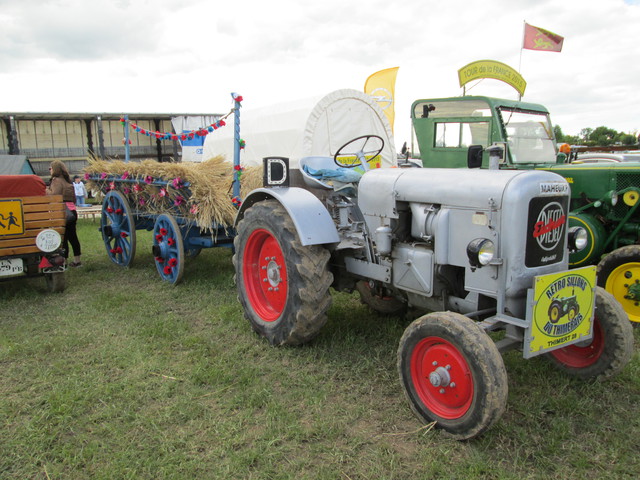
x=55 y=224
x=41 y=207
x=38 y=213
x=52 y=200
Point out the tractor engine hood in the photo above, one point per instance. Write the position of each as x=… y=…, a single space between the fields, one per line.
x=380 y=190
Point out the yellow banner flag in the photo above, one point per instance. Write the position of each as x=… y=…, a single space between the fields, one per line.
x=381 y=86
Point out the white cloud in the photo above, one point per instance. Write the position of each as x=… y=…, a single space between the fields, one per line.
x=161 y=55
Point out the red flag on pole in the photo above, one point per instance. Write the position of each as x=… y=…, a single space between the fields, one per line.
x=540 y=39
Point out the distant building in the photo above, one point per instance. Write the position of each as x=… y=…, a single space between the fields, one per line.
x=74 y=137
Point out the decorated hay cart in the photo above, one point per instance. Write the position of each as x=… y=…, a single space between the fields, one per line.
x=188 y=206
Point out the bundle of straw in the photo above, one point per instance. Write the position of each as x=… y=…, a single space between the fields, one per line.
x=201 y=192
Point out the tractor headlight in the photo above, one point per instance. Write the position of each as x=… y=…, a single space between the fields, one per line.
x=612 y=198
x=578 y=239
x=480 y=252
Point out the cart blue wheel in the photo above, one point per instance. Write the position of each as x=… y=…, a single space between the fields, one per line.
x=193 y=252
x=118 y=229
x=168 y=248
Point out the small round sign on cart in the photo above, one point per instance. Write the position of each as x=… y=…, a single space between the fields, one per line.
x=48 y=240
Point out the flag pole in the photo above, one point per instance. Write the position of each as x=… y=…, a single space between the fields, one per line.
x=524 y=29
x=524 y=23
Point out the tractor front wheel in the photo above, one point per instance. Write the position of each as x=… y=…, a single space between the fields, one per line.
x=609 y=349
x=452 y=374
x=283 y=286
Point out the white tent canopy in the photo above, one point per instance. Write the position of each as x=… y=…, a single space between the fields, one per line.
x=316 y=126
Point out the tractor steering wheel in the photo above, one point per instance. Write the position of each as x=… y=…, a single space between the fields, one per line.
x=355 y=152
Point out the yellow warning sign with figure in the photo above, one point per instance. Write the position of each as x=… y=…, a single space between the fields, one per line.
x=563 y=309
x=11 y=217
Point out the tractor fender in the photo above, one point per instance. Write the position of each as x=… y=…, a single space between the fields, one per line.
x=310 y=217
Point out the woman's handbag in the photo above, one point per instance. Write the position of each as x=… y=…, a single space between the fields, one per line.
x=69 y=214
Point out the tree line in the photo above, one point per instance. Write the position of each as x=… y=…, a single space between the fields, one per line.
x=600 y=136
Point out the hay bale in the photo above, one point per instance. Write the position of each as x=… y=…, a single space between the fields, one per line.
x=202 y=192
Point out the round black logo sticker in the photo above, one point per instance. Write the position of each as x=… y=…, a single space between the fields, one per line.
x=549 y=227
x=546 y=230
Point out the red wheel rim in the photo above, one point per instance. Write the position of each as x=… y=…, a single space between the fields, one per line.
x=442 y=377
x=265 y=275
x=577 y=356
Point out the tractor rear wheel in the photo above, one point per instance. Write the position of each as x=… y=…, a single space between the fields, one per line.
x=619 y=274
x=452 y=374
x=384 y=304
x=608 y=351
x=283 y=286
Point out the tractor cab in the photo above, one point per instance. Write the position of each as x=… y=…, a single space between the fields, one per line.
x=445 y=128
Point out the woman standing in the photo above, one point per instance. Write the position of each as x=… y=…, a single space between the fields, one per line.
x=61 y=185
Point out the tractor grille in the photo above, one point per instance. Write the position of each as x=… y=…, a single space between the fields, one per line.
x=625 y=180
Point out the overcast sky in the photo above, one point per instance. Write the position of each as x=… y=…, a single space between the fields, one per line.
x=187 y=56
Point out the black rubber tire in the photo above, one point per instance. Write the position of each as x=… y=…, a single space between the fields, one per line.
x=573 y=312
x=55 y=282
x=306 y=273
x=384 y=305
x=555 y=311
x=610 y=349
x=482 y=382
x=610 y=262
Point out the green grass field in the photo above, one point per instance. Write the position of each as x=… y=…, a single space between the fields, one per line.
x=123 y=376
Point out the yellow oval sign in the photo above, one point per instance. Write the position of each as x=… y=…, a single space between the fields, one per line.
x=492 y=69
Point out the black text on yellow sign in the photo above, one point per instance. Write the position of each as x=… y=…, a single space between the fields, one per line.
x=563 y=310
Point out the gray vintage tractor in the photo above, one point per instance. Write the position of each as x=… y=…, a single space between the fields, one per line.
x=604 y=196
x=472 y=251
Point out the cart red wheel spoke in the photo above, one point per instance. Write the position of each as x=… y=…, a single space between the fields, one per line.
x=168 y=250
x=117 y=226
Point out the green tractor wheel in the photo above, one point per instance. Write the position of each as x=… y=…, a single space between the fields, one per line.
x=619 y=274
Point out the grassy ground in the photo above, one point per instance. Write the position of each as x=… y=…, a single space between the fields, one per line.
x=123 y=376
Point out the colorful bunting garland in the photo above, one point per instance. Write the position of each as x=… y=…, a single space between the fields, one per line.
x=200 y=132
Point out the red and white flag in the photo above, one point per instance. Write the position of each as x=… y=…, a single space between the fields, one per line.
x=540 y=39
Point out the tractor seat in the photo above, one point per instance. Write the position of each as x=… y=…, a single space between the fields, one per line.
x=322 y=172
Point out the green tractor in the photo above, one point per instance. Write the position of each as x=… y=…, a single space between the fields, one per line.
x=561 y=306
x=456 y=132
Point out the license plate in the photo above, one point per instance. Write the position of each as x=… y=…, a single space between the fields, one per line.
x=561 y=310
x=11 y=266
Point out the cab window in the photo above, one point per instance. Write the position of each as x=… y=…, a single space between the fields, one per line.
x=461 y=134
